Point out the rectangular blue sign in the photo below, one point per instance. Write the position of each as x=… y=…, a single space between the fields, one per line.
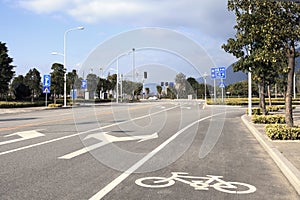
x=47 y=80
x=83 y=84
x=218 y=73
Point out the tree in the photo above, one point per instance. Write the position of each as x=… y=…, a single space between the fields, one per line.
x=159 y=90
x=102 y=86
x=33 y=81
x=138 y=89
x=6 y=69
x=192 y=86
x=71 y=80
x=92 y=81
x=20 y=90
x=147 y=91
x=267 y=33
x=180 y=85
x=289 y=35
x=57 y=79
x=240 y=89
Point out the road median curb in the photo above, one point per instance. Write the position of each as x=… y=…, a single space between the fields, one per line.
x=287 y=168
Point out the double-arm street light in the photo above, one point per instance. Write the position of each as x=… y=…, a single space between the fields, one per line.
x=65 y=60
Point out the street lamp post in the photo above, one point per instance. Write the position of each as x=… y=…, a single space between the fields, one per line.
x=133 y=71
x=204 y=76
x=65 y=62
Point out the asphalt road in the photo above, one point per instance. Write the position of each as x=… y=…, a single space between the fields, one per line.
x=154 y=150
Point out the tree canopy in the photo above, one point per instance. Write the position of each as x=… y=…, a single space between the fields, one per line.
x=266 y=35
x=6 y=69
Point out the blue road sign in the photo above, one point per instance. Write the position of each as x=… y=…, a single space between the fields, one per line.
x=218 y=73
x=47 y=80
x=222 y=85
x=83 y=84
x=46 y=89
x=213 y=73
x=221 y=73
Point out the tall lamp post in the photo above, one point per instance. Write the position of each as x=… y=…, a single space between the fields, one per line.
x=204 y=76
x=133 y=71
x=65 y=62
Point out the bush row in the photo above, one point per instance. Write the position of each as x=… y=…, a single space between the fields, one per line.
x=57 y=105
x=258 y=111
x=282 y=132
x=268 y=119
x=255 y=101
x=4 y=104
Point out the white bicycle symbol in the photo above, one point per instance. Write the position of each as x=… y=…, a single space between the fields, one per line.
x=199 y=183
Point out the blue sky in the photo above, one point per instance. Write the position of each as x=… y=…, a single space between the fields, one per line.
x=32 y=29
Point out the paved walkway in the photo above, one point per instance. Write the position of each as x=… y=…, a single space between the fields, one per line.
x=286 y=154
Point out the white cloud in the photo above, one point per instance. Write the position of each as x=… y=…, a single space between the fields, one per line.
x=44 y=6
x=210 y=17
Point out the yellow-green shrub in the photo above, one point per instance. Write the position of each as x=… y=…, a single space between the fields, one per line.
x=268 y=119
x=255 y=111
x=54 y=105
x=282 y=132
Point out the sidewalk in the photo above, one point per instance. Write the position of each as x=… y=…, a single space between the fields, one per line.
x=286 y=154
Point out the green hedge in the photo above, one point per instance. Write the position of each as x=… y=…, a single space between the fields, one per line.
x=272 y=108
x=268 y=119
x=55 y=105
x=282 y=132
x=4 y=104
x=255 y=111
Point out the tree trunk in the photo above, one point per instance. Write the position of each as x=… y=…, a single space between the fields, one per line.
x=32 y=96
x=269 y=95
x=262 y=102
x=54 y=97
x=289 y=90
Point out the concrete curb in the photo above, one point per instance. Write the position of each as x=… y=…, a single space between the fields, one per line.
x=287 y=168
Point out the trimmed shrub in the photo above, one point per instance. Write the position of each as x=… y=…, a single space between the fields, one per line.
x=268 y=119
x=4 y=104
x=272 y=108
x=54 y=105
x=282 y=132
x=255 y=111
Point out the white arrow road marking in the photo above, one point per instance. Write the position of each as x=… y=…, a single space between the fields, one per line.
x=106 y=139
x=25 y=135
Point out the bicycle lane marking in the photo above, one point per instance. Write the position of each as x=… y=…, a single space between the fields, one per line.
x=108 y=188
x=84 y=132
x=198 y=183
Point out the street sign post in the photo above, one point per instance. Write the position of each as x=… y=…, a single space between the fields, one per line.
x=46 y=86
x=218 y=73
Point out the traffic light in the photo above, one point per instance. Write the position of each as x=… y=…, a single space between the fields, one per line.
x=145 y=75
x=162 y=84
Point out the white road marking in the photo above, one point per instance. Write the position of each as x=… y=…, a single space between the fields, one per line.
x=108 y=188
x=77 y=134
x=106 y=139
x=25 y=135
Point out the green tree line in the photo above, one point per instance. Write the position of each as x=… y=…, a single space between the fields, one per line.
x=267 y=33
